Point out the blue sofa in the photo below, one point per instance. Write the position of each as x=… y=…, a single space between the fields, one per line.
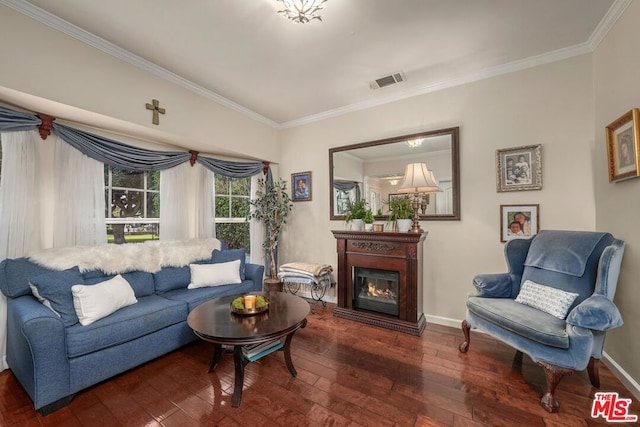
x=53 y=359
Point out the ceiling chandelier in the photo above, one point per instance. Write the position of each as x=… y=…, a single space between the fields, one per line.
x=302 y=11
x=414 y=143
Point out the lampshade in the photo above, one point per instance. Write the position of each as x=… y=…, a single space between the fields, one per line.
x=418 y=179
x=302 y=11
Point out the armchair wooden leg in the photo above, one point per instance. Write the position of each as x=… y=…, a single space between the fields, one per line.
x=594 y=372
x=466 y=328
x=553 y=374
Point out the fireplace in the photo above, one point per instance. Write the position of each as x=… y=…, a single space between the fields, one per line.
x=380 y=279
x=376 y=290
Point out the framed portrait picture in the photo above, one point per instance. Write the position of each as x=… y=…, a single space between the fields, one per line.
x=519 y=168
x=519 y=221
x=623 y=147
x=301 y=186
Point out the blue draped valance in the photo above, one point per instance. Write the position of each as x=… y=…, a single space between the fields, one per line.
x=13 y=121
x=120 y=155
x=117 y=154
x=347 y=186
x=231 y=169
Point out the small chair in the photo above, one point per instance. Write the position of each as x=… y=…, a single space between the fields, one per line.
x=555 y=304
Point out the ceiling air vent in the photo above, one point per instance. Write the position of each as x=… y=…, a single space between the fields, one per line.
x=389 y=80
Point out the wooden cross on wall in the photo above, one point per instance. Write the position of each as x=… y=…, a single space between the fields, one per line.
x=155 y=107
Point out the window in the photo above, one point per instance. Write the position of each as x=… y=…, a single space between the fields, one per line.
x=132 y=205
x=231 y=210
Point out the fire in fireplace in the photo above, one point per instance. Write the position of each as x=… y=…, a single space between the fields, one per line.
x=376 y=290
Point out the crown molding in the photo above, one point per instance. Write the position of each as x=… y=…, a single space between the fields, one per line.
x=46 y=18
x=84 y=36
x=614 y=12
x=607 y=22
x=511 y=67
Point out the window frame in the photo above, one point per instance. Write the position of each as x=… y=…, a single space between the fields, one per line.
x=229 y=194
x=108 y=194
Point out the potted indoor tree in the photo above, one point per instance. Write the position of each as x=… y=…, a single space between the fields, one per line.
x=271 y=207
x=401 y=212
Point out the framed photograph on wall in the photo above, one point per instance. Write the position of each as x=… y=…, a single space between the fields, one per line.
x=519 y=221
x=519 y=168
x=301 y=186
x=623 y=147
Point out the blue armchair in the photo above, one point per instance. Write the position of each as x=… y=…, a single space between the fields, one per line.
x=555 y=304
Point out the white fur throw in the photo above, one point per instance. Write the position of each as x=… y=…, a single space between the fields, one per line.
x=149 y=256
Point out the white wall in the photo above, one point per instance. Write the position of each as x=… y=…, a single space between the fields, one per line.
x=617 y=90
x=348 y=168
x=550 y=105
x=40 y=61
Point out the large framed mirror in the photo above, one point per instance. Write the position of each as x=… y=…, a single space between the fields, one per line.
x=374 y=170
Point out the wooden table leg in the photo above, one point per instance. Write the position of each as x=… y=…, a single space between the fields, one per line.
x=238 y=360
x=287 y=351
x=217 y=355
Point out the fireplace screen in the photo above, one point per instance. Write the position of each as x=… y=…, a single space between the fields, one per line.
x=376 y=290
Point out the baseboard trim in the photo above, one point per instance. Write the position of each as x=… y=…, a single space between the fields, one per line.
x=444 y=321
x=622 y=375
x=617 y=370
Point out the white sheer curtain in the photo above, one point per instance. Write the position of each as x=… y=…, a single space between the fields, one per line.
x=79 y=198
x=204 y=197
x=19 y=207
x=174 y=207
x=256 y=229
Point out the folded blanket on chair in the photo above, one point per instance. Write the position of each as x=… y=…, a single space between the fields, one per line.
x=563 y=251
x=305 y=267
x=323 y=280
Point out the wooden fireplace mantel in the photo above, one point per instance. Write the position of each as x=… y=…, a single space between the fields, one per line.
x=401 y=252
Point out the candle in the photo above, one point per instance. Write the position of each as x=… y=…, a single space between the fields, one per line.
x=249 y=301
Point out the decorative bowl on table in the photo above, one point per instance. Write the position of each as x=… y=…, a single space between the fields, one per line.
x=261 y=305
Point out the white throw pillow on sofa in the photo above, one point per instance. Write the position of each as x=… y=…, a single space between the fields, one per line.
x=223 y=273
x=93 y=302
x=554 y=301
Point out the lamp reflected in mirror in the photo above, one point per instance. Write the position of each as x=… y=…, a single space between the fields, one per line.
x=420 y=181
x=373 y=170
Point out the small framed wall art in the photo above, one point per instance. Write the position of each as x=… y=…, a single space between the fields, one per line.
x=519 y=221
x=623 y=147
x=301 y=186
x=519 y=168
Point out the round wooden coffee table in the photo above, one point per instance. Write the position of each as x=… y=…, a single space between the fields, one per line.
x=213 y=321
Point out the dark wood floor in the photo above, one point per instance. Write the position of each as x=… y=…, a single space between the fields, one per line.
x=348 y=374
